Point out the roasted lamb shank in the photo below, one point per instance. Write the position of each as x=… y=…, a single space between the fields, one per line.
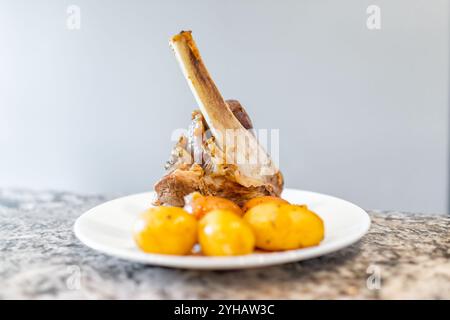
x=219 y=155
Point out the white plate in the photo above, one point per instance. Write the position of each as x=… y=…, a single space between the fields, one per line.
x=107 y=228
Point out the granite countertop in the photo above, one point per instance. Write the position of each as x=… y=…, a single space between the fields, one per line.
x=404 y=255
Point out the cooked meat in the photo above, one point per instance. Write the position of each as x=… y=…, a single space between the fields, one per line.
x=213 y=165
x=240 y=113
x=209 y=176
x=172 y=188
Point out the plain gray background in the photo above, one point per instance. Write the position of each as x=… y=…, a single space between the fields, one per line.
x=363 y=114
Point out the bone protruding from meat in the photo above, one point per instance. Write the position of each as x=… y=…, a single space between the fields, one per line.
x=239 y=145
x=211 y=176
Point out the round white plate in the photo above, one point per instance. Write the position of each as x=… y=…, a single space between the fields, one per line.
x=108 y=229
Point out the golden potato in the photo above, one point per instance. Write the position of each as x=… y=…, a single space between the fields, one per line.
x=223 y=233
x=200 y=205
x=260 y=200
x=284 y=226
x=166 y=230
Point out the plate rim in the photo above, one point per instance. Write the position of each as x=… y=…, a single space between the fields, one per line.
x=253 y=260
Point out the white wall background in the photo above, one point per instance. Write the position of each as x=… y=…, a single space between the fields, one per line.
x=362 y=114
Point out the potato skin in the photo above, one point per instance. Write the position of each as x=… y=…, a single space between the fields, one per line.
x=200 y=205
x=284 y=226
x=260 y=200
x=165 y=230
x=223 y=233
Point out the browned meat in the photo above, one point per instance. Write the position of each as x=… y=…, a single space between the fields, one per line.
x=172 y=188
x=204 y=160
x=185 y=174
x=240 y=113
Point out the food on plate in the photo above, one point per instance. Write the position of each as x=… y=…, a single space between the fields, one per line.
x=165 y=230
x=218 y=226
x=199 y=205
x=223 y=233
x=284 y=226
x=204 y=160
x=227 y=183
x=259 y=200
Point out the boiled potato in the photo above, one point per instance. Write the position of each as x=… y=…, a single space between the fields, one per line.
x=284 y=226
x=223 y=233
x=260 y=200
x=200 y=205
x=166 y=230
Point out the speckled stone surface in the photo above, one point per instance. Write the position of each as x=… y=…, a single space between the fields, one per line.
x=403 y=256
